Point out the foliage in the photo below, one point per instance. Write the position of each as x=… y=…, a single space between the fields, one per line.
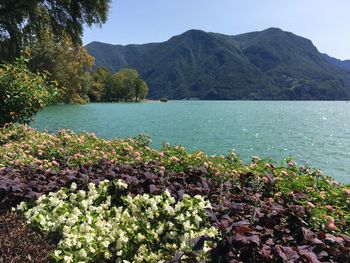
x=22 y=19
x=343 y=64
x=125 y=85
x=22 y=92
x=26 y=146
x=271 y=64
x=264 y=212
x=100 y=80
x=67 y=63
x=102 y=223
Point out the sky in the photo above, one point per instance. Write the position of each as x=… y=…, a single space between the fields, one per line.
x=325 y=22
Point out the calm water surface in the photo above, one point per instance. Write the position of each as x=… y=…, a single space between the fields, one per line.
x=316 y=133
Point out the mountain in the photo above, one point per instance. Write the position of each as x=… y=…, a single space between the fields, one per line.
x=344 y=64
x=266 y=65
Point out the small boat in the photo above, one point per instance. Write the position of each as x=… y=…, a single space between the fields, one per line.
x=163 y=99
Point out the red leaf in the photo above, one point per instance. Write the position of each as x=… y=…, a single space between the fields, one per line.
x=286 y=254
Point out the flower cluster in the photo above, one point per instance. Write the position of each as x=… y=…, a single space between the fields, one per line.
x=100 y=223
x=22 y=145
x=324 y=198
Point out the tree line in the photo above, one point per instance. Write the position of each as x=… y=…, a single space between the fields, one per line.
x=124 y=85
x=42 y=59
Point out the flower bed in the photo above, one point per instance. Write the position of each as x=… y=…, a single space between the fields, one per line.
x=263 y=212
x=103 y=223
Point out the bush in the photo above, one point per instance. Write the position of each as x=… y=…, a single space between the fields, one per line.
x=263 y=211
x=22 y=92
x=142 y=228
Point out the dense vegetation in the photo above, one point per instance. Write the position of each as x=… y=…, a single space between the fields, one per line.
x=124 y=85
x=344 y=64
x=192 y=205
x=271 y=64
x=23 y=21
x=22 y=92
x=68 y=65
x=51 y=32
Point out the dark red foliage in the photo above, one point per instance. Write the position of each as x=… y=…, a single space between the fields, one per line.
x=256 y=227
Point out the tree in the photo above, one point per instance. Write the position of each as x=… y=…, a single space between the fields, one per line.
x=68 y=64
x=125 y=84
x=141 y=89
x=98 y=84
x=131 y=86
x=22 y=92
x=22 y=19
x=70 y=67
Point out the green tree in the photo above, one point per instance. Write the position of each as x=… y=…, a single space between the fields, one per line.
x=125 y=84
x=22 y=92
x=98 y=84
x=141 y=89
x=68 y=64
x=130 y=85
x=22 y=19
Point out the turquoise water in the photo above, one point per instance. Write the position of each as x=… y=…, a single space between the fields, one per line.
x=316 y=133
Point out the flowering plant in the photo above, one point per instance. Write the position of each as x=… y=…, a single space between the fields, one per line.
x=101 y=222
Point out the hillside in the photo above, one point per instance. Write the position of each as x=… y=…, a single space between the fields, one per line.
x=266 y=65
x=344 y=64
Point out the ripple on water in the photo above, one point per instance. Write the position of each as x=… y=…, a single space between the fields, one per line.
x=312 y=131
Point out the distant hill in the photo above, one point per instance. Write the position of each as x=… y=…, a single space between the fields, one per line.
x=344 y=64
x=266 y=65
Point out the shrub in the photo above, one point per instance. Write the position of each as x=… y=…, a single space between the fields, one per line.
x=22 y=92
x=264 y=211
x=101 y=222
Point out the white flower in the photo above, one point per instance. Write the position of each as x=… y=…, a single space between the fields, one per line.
x=61 y=219
x=187 y=225
x=22 y=206
x=160 y=229
x=169 y=209
x=167 y=193
x=120 y=184
x=76 y=211
x=71 y=221
x=107 y=255
x=140 y=237
x=92 y=187
x=84 y=204
x=40 y=199
x=72 y=197
x=67 y=259
x=66 y=230
x=82 y=253
x=73 y=187
x=105 y=243
x=89 y=237
x=87 y=224
x=89 y=219
x=197 y=219
x=180 y=217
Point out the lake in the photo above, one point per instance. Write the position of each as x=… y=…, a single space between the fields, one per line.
x=315 y=133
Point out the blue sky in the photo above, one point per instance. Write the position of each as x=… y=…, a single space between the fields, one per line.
x=325 y=22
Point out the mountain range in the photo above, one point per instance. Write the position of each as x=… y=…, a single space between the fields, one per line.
x=267 y=65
